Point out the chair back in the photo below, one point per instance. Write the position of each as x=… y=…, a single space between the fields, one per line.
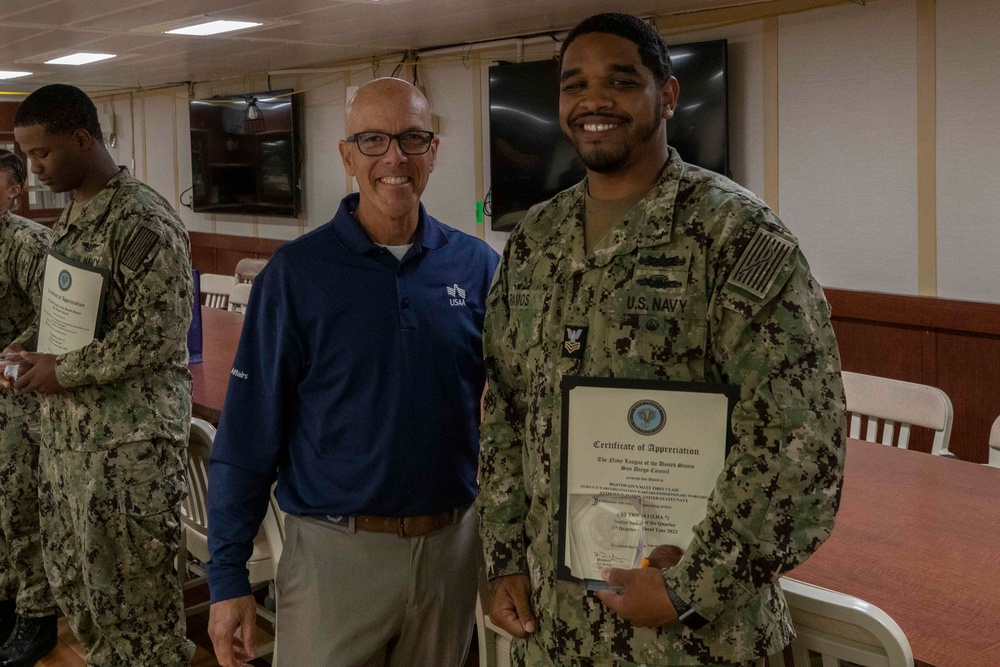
x=494 y=641
x=247 y=269
x=215 y=288
x=274 y=529
x=836 y=630
x=263 y=564
x=194 y=508
x=239 y=297
x=995 y=444
x=896 y=406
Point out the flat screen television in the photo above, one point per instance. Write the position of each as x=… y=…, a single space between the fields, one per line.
x=531 y=160
x=245 y=154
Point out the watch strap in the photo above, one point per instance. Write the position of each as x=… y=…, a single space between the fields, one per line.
x=685 y=614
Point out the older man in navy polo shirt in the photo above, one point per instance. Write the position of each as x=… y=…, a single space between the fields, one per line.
x=357 y=385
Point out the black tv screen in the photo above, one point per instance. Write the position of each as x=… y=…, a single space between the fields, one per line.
x=244 y=154
x=531 y=160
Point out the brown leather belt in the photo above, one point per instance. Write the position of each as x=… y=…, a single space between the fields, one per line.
x=405 y=526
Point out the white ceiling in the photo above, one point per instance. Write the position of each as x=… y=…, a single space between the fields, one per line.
x=296 y=34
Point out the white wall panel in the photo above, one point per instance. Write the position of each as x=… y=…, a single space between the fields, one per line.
x=161 y=145
x=323 y=177
x=968 y=149
x=848 y=142
x=451 y=192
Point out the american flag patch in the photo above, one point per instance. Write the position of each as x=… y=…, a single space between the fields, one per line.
x=138 y=247
x=760 y=263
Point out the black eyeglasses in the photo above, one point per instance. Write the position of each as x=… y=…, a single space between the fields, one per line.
x=374 y=144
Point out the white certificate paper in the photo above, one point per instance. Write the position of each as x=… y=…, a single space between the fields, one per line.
x=662 y=443
x=72 y=304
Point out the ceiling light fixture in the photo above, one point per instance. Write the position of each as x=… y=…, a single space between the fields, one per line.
x=12 y=75
x=80 y=59
x=213 y=28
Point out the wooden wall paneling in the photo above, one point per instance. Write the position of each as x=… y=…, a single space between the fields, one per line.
x=226 y=260
x=878 y=349
x=886 y=351
x=219 y=253
x=918 y=311
x=950 y=344
x=969 y=372
x=203 y=259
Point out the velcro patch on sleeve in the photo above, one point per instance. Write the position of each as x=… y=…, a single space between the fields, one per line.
x=761 y=262
x=139 y=246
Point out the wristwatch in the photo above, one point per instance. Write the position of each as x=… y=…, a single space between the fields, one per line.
x=685 y=614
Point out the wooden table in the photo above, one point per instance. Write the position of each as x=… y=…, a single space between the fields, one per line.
x=919 y=537
x=220 y=336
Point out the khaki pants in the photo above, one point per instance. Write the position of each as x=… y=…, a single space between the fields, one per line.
x=110 y=530
x=357 y=599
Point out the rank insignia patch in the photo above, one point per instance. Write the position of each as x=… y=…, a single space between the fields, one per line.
x=574 y=342
x=763 y=258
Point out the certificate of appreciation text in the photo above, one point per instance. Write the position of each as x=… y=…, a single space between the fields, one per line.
x=638 y=457
x=72 y=304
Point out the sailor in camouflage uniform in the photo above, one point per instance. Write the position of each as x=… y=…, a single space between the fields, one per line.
x=115 y=413
x=693 y=279
x=23 y=586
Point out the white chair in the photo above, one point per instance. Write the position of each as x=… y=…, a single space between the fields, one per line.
x=995 y=444
x=494 y=642
x=239 y=297
x=262 y=565
x=215 y=289
x=840 y=630
x=897 y=405
x=248 y=268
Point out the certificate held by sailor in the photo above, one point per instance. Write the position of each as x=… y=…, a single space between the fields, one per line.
x=72 y=304
x=642 y=457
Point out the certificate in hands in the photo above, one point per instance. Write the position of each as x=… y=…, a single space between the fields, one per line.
x=639 y=460
x=72 y=304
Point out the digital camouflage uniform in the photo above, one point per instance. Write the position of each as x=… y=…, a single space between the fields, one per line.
x=700 y=282
x=113 y=444
x=22 y=575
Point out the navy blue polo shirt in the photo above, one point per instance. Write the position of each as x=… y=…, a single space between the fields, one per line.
x=357 y=383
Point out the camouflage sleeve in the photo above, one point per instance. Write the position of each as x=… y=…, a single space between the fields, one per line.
x=155 y=263
x=29 y=264
x=775 y=502
x=27 y=337
x=502 y=502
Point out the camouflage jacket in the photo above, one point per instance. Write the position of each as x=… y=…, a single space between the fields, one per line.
x=131 y=383
x=22 y=257
x=677 y=291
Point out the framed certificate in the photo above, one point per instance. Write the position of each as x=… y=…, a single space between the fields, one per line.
x=638 y=461
x=72 y=307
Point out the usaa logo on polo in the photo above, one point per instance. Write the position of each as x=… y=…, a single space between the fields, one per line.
x=456 y=295
x=574 y=342
x=647 y=417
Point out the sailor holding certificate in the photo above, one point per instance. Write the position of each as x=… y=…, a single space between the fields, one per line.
x=662 y=370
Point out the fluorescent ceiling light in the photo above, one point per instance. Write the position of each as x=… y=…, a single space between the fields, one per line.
x=213 y=28
x=80 y=59
x=12 y=75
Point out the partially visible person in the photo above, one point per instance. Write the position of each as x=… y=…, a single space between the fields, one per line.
x=27 y=608
x=115 y=413
x=662 y=271
x=357 y=386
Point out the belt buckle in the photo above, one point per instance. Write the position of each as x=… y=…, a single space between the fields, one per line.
x=401 y=527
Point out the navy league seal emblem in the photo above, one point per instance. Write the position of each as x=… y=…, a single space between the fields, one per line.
x=65 y=280
x=647 y=417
